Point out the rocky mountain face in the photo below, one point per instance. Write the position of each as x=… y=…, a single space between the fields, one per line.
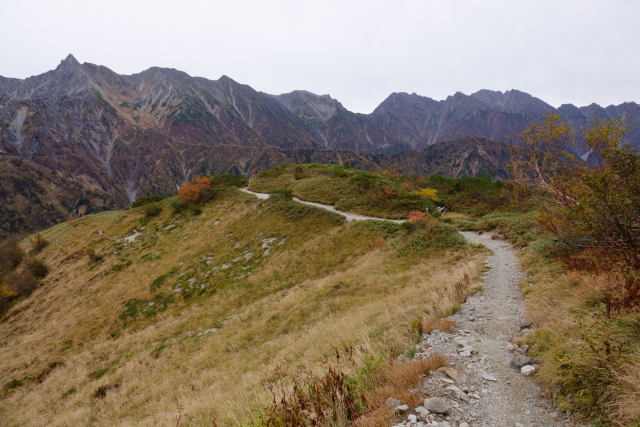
x=130 y=135
x=34 y=197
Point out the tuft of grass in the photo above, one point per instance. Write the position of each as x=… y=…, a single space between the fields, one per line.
x=342 y=394
x=14 y=383
x=152 y=210
x=38 y=243
x=37 y=268
x=147 y=200
x=94 y=257
x=68 y=393
x=98 y=373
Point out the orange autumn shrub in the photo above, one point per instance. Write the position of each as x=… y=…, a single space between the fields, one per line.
x=197 y=190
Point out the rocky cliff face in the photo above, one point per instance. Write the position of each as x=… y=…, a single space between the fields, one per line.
x=130 y=135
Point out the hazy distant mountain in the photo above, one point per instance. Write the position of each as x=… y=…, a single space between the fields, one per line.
x=129 y=135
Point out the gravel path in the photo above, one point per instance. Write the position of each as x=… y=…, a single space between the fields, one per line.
x=487 y=383
x=484 y=388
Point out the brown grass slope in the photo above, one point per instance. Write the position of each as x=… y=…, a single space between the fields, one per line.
x=189 y=322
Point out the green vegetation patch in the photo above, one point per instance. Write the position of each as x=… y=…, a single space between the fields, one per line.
x=146 y=307
x=375 y=194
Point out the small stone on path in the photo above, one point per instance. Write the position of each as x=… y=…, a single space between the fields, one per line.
x=438 y=405
x=393 y=402
x=488 y=377
x=527 y=370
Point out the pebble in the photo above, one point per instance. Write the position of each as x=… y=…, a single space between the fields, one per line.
x=527 y=369
x=438 y=405
x=519 y=361
x=452 y=373
x=488 y=377
x=393 y=402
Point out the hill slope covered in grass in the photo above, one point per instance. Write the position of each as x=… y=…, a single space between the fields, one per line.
x=153 y=317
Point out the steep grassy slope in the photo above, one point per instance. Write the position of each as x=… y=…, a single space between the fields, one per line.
x=189 y=321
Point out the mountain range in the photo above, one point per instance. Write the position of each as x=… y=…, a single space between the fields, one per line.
x=101 y=139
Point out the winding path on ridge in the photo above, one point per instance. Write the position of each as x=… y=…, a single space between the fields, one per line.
x=486 y=391
x=349 y=216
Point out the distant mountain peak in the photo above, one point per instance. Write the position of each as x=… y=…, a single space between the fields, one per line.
x=69 y=61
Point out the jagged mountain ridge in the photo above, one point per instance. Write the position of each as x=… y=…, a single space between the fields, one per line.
x=130 y=135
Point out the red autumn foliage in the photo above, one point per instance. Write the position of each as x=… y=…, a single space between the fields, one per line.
x=196 y=190
x=415 y=216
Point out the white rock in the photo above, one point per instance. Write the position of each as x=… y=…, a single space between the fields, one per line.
x=438 y=405
x=488 y=377
x=527 y=370
x=412 y=419
x=402 y=408
x=422 y=412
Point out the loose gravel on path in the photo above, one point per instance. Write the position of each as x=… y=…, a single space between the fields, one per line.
x=484 y=388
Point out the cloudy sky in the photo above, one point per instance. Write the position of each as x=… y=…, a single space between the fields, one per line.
x=358 y=51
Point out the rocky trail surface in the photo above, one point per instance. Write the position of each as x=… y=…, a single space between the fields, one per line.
x=488 y=381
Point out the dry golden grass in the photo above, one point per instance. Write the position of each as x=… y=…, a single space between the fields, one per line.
x=325 y=287
x=456 y=215
x=397 y=379
x=627 y=408
x=590 y=361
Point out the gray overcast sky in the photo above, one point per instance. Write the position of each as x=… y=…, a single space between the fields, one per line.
x=562 y=51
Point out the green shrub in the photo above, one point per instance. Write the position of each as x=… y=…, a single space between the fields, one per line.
x=284 y=194
x=69 y=392
x=147 y=308
x=160 y=280
x=121 y=266
x=94 y=258
x=37 y=268
x=14 y=383
x=152 y=209
x=228 y=180
x=98 y=373
x=428 y=236
x=11 y=255
x=146 y=200
x=22 y=283
x=294 y=211
x=385 y=228
x=38 y=244
x=179 y=206
x=101 y=391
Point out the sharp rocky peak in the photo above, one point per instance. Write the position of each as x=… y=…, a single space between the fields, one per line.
x=69 y=62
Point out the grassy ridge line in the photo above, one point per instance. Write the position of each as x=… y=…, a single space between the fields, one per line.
x=327 y=285
x=347 y=189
